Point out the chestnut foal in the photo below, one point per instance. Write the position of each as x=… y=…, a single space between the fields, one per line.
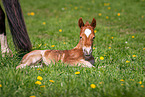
x=81 y=55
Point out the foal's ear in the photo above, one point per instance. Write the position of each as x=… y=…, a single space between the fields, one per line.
x=93 y=24
x=80 y=22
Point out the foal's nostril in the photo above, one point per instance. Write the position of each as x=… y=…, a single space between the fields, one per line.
x=87 y=51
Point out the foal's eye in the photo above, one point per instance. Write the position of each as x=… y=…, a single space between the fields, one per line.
x=93 y=37
x=80 y=37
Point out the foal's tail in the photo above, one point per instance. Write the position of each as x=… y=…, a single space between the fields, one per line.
x=17 y=25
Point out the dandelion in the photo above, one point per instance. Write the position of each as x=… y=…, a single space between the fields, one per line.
x=77 y=72
x=109 y=8
x=122 y=80
x=127 y=61
x=122 y=84
x=142 y=16
x=132 y=79
x=95 y=31
x=140 y=82
x=101 y=58
x=52 y=45
x=100 y=82
x=42 y=86
x=51 y=81
x=28 y=14
x=39 y=78
x=133 y=55
x=143 y=48
x=132 y=36
x=38 y=82
x=33 y=96
x=100 y=14
x=44 y=23
x=112 y=37
x=107 y=17
x=64 y=42
x=76 y=8
x=94 y=48
x=0 y=85
x=93 y=86
x=142 y=86
x=109 y=47
x=32 y=13
x=45 y=44
x=60 y=30
x=118 y=14
x=39 y=69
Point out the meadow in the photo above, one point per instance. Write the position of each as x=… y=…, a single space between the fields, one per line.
x=119 y=50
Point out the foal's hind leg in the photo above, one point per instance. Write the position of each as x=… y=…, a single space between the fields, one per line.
x=31 y=59
x=3 y=38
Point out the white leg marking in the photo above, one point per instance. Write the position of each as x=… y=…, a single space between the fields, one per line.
x=86 y=63
x=4 y=45
x=87 y=32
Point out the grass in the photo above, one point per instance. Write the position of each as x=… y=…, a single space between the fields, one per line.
x=124 y=60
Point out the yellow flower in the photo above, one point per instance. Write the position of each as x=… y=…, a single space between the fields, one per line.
x=122 y=80
x=42 y=86
x=127 y=61
x=44 y=23
x=122 y=84
x=32 y=13
x=142 y=16
x=133 y=55
x=112 y=37
x=94 y=48
x=76 y=8
x=93 y=86
x=100 y=14
x=109 y=47
x=142 y=86
x=132 y=79
x=132 y=36
x=95 y=31
x=33 y=96
x=118 y=14
x=101 y=58
x=0 y=85
x=143 y=48
x=77 y=72
x=28 y=14
x=60 y=30
x=107 y=17
x=140 y=82
x=109 y=8
x=39 y=78
x=64 y=43
x=51 y=81
x=39 y=69
x=101 y=82
x=38 y=82
x=45 y=44
x=52 y=45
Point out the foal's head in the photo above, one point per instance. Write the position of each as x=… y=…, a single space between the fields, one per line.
x=87 y=36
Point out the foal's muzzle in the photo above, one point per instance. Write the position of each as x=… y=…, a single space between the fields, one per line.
x=87 y=51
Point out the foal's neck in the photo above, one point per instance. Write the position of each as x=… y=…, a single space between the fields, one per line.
x=79 y=46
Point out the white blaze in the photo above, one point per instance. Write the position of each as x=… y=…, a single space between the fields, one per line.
x=87 y=32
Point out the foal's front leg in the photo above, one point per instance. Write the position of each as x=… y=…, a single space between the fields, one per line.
x=85 y=63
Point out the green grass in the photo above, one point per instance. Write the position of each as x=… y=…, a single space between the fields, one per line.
x=21 y=83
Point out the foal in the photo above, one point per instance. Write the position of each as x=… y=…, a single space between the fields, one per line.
x=81 y=55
